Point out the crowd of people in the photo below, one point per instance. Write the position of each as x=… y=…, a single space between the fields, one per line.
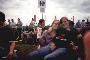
x=82 y=24
x=62 y=40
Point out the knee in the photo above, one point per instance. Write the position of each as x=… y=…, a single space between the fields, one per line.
x=49 y=58
x=31 y=55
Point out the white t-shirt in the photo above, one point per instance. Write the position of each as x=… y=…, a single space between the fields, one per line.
x=13 y=25
x=39 y=32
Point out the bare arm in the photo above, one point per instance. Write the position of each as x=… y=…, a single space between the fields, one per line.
x=12 y=46
x=87 y=45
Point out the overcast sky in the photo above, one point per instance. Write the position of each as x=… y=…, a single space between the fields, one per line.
x=25 y=9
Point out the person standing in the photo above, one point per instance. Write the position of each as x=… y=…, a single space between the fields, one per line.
x=13 y=24
x=19 y=27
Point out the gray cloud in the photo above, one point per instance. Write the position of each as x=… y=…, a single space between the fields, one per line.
x=81 y=6
x=74 y=5
x=3 y=3
x=9 y=4
x=86 y=6
x=69 y=5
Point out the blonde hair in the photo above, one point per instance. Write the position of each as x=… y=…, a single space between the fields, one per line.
x=53 y=22
x=50 y=28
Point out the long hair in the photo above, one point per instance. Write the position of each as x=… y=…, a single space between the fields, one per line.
x=60 y=24
x=53 y=22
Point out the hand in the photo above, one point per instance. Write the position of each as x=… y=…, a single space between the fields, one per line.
x=71 y=43
x=52 y=47
x=75 y=47
x=9 y=55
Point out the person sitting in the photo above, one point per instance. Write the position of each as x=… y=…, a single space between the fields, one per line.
x=65 y=42
x=46 y=43
x=7 y=39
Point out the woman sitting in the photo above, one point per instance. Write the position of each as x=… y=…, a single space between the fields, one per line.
x=45 y=42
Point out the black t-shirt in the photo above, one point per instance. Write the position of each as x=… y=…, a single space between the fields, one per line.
x=63 y=37
x=6 y=35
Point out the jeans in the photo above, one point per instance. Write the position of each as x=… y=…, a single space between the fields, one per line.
x=58 y=54
x=46 y=54
x=3 y=52
x=39 y=54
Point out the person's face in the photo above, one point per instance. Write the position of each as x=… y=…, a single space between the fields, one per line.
x=18 y=19
x=12 y=20
x=43 y=23
x=65 y=22
x=55 y=25
x=8 y=20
